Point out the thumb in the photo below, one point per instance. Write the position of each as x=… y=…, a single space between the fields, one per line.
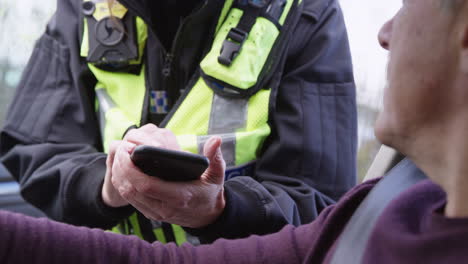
x=111 y=153
x=215 y=171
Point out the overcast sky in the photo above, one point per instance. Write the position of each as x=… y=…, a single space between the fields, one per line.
x=364 y=19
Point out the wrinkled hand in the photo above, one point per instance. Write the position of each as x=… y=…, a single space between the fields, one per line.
x=153 y=136
x=110 y=196
x=146 y=135
x=192 y=204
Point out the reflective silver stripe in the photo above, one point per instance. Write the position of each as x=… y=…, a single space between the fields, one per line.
x=105 y=104
x=227 y=115
x=102 y=120
x=9 y=188
x=228 y=147
x=105 y=101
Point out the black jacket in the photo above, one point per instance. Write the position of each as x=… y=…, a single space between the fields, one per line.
x=51 y=141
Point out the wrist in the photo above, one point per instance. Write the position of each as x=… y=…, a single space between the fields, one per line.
x=221 y=202
x=216 y=211
x=111 y=197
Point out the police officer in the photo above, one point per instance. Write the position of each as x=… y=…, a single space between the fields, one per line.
x=263 y=88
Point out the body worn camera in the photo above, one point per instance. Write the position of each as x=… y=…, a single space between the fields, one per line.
x=111 y=35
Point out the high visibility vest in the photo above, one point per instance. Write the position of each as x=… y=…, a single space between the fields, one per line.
x=229 y=97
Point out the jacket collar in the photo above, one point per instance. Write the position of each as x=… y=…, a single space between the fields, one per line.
x=142 y=8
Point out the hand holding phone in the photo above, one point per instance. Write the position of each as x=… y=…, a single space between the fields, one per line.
x=192 y=204
x=169 y=165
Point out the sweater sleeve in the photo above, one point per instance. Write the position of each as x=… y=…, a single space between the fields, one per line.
x=29 y=240
x=25 y=240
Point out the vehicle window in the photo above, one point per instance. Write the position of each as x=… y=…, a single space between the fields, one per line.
x=363 y=21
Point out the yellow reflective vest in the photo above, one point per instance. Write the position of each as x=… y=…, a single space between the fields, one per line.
x=229 y=96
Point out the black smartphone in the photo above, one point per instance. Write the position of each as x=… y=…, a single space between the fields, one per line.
x=169 y=165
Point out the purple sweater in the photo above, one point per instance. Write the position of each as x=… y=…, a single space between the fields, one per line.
x=411 y=230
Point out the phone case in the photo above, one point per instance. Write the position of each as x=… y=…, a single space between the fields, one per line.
x=169 y=165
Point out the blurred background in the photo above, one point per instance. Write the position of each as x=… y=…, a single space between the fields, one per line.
x=22 y=21
x=364 y=19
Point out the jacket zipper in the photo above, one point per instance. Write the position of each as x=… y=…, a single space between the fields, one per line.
x=169 y=57
x=166 y=71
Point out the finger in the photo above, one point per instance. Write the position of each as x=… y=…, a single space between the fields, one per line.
x=153 y=136
x=143 y=137
x=155 y=208
x=111 y=154
x=130 y=178
x=147 y=211
x=169 y=139
x=109 y=193
x=123 y=167
x=175 y=194
x=215 y=171
x=133 y=185
x=149 y=127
